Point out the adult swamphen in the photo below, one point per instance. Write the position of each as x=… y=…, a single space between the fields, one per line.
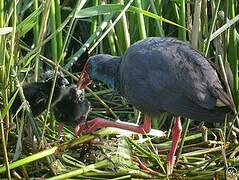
x=160 y=75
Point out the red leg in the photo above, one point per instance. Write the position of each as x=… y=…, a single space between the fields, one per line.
x=29 y=137
x=176 y=134
x=98 y=123
x=60 y=129
x=143 y=166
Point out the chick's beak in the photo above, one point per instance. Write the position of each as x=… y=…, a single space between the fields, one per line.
x=84 y=80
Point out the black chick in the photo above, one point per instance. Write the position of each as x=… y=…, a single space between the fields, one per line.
x=72 y=108
x=38 y=93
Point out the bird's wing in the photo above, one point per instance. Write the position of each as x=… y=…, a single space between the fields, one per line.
x=203 y=85
x=35 y=94
x=40 y=100
x=184 y=73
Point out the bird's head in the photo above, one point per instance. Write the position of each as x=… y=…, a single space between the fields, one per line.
x=61 y=81
x=101 y=67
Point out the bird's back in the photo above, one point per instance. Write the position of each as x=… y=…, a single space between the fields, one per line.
x=36 y=94
x=165 y=74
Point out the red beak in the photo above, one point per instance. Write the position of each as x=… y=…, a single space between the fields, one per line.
x=84 y=80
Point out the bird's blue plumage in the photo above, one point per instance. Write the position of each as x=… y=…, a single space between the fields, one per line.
x=164 y=74
x=104 y=67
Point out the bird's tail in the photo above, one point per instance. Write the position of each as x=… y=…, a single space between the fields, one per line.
x=226 y=99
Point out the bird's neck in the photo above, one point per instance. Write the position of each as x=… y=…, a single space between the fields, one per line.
x=110 y=74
